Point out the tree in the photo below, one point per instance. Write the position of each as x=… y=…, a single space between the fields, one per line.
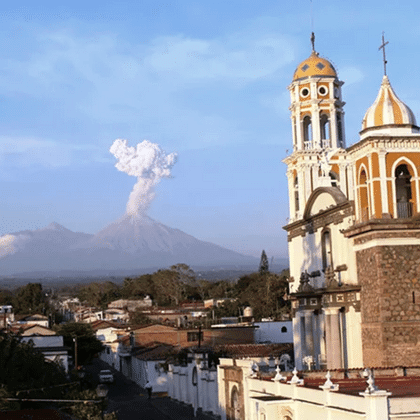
x=263 y=263
x=23 y=367
x=87 y=343
x=30 y=299
x=169 y=289
x=138 y=287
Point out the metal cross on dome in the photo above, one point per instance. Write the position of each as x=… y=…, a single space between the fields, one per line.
x=382 y=47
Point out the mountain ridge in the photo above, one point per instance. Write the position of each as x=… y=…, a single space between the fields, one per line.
x=130 y=243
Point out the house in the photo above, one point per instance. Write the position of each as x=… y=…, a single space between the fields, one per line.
x=196 y=382
x=7 y=316
x=148 y=365
x=273 y=332
x=109 y=333
x=130 y=304
x=35 y=319
x=47 y=342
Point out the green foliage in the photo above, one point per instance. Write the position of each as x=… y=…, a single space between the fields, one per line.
x=263 y=264
x=92 y=410
x=23 y=367
x=6 y=297
x=30 y=299
x=138 y=287
x=87 y=343
x=265 y=293
x=99 y=294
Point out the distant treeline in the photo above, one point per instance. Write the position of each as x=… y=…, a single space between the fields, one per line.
x=264 y=291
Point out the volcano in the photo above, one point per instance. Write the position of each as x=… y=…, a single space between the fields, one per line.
x=130 y=243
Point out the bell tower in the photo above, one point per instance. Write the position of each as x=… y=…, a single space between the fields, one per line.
x=317 y=118
x=316 y=105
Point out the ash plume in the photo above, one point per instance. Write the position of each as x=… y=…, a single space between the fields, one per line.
x=149 y=163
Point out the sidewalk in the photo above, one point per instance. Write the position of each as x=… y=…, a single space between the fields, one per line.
x=177 y=410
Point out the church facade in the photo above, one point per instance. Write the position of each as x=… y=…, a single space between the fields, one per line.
x=354 y=226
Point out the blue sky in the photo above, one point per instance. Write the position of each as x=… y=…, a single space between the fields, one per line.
x=205 y=79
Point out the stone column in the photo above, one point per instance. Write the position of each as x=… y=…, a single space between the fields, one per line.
x=371 y=195
x=383 y=177
x=298 y=340
x=333 y=127
x=291 y=187
x=333 y=338
x=343 y=179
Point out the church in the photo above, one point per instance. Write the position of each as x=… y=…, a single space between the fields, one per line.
x=354 y=226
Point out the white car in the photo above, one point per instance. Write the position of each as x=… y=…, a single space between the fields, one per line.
x=106 y=376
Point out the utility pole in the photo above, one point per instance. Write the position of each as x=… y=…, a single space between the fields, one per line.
x=75 y=351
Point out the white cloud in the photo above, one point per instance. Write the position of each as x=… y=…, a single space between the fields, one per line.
x=218 y=59
x=144 y=87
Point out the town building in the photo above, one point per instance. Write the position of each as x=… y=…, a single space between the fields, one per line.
x=47 y=342
x=354 y=229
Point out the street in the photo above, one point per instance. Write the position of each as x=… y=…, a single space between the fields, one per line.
x=127 y=398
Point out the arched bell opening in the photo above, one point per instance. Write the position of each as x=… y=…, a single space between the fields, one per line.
x=363 y=196
x=325 y=131
x=307 y=132
x=403 y=192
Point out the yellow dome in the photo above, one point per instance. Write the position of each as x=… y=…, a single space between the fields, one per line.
x=314 y=66
x=387 y=109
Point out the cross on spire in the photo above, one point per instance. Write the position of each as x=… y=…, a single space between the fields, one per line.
x=382 y=47
x=313 y=41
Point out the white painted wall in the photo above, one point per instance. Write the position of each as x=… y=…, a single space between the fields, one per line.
x=271 y=331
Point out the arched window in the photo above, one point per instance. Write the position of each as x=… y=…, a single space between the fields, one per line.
x=339 y=130
x=284 y=329
x=326 y=249
x=235 y=406
x=296 y=193
x=403 y=192
x=325 y=130
x=363 y=196
x=307 y=131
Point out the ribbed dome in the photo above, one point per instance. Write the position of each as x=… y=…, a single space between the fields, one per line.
x=314 y=66
x=387 y=109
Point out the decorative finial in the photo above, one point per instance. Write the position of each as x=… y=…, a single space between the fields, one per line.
x=313 y=41
x=382 y=47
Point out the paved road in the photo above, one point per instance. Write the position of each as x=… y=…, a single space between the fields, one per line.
x=126 y=397
x=131 y=402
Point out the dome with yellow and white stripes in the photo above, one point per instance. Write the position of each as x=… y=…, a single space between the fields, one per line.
x=388 y=112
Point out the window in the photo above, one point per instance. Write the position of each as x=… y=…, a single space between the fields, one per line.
x=339 y=130
x=296 y=190
x=235 y=406
x=326 y=249
x=284 y=329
